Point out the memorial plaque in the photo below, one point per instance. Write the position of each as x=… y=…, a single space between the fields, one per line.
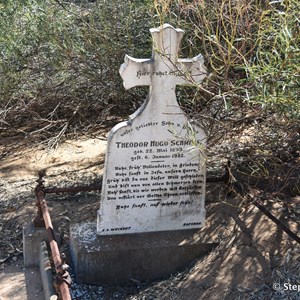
x=154 y=178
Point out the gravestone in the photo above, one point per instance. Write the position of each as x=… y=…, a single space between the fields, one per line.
x=154 y=176
x=152 y=199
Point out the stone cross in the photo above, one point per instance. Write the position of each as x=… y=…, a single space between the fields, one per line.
x=164 y=70
x=154 y=178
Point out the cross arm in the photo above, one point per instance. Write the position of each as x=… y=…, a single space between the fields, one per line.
x=191 y=70
x=135 y=72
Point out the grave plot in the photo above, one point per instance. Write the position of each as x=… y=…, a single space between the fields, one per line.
x=152 y=198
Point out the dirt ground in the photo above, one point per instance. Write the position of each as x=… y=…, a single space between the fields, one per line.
x=254 y=259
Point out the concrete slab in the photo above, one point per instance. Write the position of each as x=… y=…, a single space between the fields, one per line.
x=121 y=259
x=32 y=237
x=46 y=273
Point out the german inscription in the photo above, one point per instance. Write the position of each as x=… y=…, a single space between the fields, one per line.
x=154 y=177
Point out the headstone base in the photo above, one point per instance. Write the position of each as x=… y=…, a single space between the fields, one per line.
x=121 y=259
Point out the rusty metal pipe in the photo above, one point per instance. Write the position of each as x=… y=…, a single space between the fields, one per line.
x=282 y=226
x=75 y=189
x=58 y=263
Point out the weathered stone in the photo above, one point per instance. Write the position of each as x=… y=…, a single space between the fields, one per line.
x=32 y=237
x=121 y=259
x=46 y=273
x=154 y=177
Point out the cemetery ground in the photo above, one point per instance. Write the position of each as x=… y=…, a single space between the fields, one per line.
x=252 y=257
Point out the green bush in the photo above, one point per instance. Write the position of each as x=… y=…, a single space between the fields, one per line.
x=59 y=60
x=275 y=66
x=251 y=48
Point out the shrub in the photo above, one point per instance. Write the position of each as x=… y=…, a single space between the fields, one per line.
x=60 y=60
x=252 y=49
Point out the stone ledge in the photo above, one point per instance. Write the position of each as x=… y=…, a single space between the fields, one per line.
x=121 y=259
x=32 y=237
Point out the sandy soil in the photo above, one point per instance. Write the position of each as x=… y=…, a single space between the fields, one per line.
x=252 y=255
x=18 y=283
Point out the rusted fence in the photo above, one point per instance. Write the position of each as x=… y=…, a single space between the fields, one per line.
x=43 y=219
x=62 y=277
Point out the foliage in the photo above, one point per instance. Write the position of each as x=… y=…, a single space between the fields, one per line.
x=252 y=49
x=59 y=61
x=275 y=66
